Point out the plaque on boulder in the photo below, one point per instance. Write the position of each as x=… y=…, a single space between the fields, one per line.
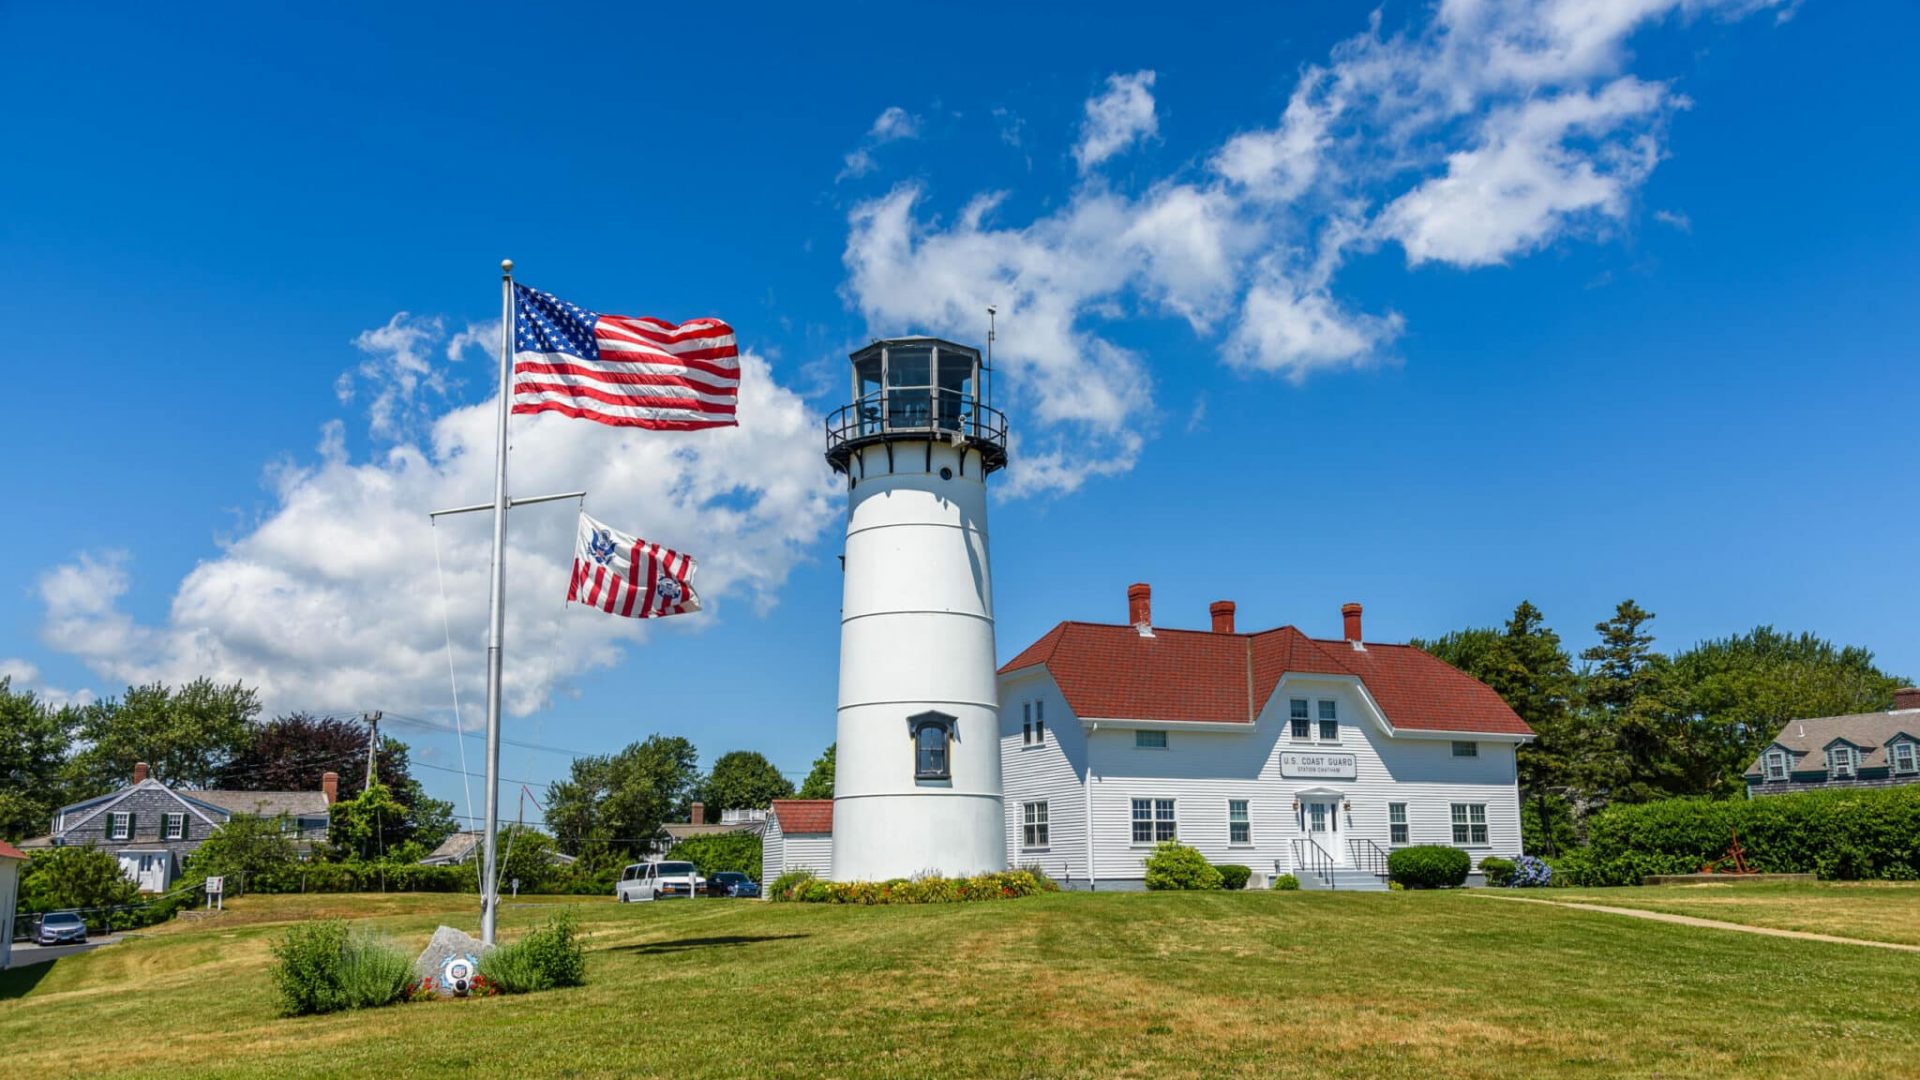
x=450 y=962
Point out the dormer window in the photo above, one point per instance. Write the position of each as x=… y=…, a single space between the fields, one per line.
x=1906 y=757
x=1776 y=764
x=1842 y=762
x=932 y=745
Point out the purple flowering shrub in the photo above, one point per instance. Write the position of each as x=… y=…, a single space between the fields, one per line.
x=1530 y=872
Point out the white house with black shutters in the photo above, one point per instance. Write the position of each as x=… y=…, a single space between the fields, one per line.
x=1272 y=750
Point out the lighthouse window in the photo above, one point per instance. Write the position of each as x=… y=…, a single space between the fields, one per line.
x=932 y=741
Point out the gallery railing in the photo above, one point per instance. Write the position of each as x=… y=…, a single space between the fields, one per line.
x=917 y=411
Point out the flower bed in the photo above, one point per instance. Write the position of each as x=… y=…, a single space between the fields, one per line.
x=795 y=888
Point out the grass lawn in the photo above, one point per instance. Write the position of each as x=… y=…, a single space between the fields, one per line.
x=1878 y=911
x=1254 y=984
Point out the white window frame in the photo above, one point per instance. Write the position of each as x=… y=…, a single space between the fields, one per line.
x=1035 y=832
x=1160 y=812
x=1777 y=766
x=1401 y=826
x=1145 y=739
x=1465 y=748
x=1467 y=831
x=1843 y=763
x=1299 y=720
x=174 y=827
x=1244 y=821
x=120 y=825
x=1327 y=712
x=1912 y=755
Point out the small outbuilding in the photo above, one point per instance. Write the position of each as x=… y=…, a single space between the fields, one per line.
x=12 y=862
x=799 y=836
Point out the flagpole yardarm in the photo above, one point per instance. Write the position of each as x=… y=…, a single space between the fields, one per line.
x=497 y=618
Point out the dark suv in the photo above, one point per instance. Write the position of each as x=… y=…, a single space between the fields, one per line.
x=732 y=883
x=62 y=928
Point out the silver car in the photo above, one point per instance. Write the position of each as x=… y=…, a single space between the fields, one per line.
x=62 y=928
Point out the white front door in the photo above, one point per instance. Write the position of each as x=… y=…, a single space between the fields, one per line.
x=152 y=873
x=1321 y=821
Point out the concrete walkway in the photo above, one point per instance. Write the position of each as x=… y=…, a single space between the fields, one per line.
x=1689 y=920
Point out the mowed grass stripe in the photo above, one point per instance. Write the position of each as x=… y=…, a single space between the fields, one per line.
x=1306 y=984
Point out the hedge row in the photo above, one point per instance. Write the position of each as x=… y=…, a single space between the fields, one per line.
x=806 y=889
x=1862 y=833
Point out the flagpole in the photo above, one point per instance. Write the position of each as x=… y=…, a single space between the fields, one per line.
x=497 y=618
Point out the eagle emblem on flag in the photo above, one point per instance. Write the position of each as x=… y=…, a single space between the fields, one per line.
x=627 y=576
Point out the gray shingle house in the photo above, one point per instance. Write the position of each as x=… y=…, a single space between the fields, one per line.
x=152 y=828
x=1879 y=749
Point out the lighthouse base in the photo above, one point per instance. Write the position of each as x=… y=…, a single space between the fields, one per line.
x=945 y=834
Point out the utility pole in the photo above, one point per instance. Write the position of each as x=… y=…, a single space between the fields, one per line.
x=373 y=741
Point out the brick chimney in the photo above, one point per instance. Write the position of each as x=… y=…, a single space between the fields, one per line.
x=1907 y=698
x=330 y=787
x=140 y=772
x=697 y=814
x=1140 y=608
x=1222 y=612
x=1350 y=615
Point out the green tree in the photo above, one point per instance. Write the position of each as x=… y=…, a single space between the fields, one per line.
x=74 y=877
x=612 y=806
x=370 y=827
x=743 y=780
x=245 y=846
x=819 y=782
x=34 y=741
x=737 y=851
x=527 y=857
x=188 y=735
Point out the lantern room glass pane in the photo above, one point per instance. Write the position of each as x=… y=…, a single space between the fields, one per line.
x=954 y=393
x=910 y=386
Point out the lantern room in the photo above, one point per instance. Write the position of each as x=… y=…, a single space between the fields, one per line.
x=918 y=389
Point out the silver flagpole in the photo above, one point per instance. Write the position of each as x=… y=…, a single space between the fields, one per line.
x=497 y=612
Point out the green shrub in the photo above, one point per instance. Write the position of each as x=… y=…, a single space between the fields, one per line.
x=737 y=851
x=1286 y=883
x=320 y=968
x=546 y=958
x=1006 y=885
x=1845 y=834
x=1040 y=874
x=1175 y=866
x=1429 y=866
x=1498 y=871
x=783 y=886
x=1234 y=877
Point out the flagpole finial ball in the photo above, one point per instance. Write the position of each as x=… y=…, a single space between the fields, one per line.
x=506 y=266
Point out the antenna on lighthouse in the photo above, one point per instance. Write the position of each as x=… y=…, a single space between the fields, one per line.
x=992 y=314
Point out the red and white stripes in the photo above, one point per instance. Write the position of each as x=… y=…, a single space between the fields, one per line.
x=625 y=575
x=644 y=373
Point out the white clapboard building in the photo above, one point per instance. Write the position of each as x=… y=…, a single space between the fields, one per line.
x=1272 y=750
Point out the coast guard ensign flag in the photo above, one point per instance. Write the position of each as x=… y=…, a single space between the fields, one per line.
x=622 y=370
x=625 y=575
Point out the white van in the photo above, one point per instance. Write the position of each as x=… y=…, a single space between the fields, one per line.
x=658 y=881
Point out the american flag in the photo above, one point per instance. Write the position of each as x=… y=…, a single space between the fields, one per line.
x=625 y=575
x=619 y=369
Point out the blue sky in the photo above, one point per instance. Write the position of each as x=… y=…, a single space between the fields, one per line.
x=1519 y=300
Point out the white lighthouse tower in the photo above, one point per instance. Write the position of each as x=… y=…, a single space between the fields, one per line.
x=917 y=776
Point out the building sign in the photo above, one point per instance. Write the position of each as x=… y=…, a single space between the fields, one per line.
x=1317 y=766
x=216 y=886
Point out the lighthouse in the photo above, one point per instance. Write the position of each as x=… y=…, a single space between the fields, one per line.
x=917 y=776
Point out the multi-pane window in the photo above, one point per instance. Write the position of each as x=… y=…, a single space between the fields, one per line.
x=1153 y=820
x=1776 y=764
x=1469 y=823
x=1239 y=822
x=1297 y=715
x=1840 y=761
x=1026 y=724
x=1396 y=823
x=120 y=825
x=1033 y=824
x=932 y=743
x=1040 y=723
x=1466 y=749
x=176 y=827
x=1329 y=723
x=1150 y=740
x=1906 y=758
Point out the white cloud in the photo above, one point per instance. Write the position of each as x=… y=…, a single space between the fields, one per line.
x=25 y=676
x=1487 y=130
x=893 y=124
x=1674 y=219
x=330 y=601
x=1117 y=118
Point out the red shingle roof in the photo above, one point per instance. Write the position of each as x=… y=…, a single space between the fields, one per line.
x=1112 y=672
x=8 y=851
x=804 y=815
